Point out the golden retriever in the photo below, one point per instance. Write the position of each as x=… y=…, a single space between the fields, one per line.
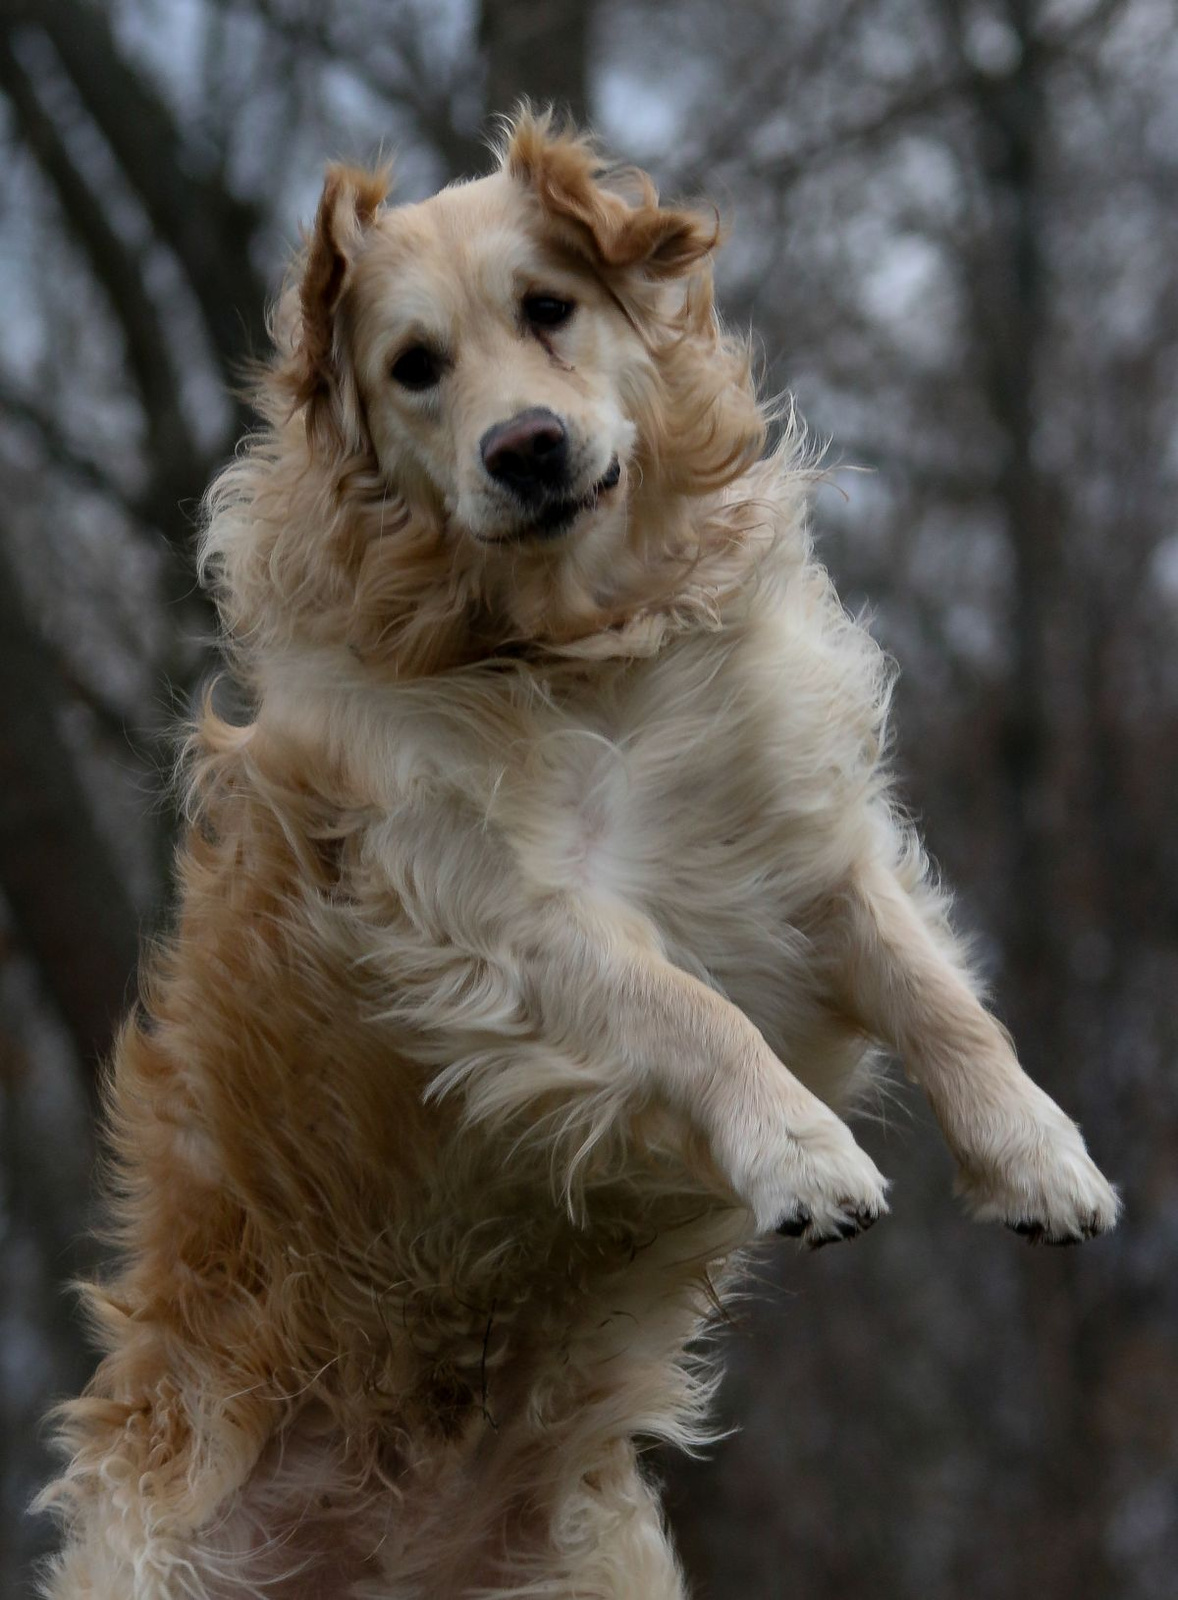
x=531 y=935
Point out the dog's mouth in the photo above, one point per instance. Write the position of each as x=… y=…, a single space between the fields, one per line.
x=558 y=516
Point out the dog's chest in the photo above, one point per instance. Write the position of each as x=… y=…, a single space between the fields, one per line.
x=692 y=789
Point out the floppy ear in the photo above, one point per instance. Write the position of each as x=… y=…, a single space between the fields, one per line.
x=350 y=200
x=615 y=217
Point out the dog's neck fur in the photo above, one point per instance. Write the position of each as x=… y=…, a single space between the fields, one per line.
x=411 y=595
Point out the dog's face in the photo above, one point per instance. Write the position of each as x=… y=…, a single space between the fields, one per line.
x=514 y=395
x=493 y=368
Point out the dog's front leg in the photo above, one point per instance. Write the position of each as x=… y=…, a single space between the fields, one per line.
x=517 y=992
x=1020 y=1160
x=613 y=994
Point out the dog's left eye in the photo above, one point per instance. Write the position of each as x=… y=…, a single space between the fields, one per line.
x=547 y=310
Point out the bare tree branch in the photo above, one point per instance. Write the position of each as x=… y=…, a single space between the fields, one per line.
x=209 y=230
x=116 y=268
x=25 y=410
x=398 y=73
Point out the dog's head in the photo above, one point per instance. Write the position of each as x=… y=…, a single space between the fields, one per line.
x=529 y=365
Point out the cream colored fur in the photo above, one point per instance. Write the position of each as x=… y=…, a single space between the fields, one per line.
x=531 y=937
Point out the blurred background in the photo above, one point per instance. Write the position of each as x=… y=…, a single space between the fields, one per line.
x=957 y=243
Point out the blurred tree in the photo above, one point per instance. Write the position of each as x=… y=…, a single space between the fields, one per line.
x=84 y=940
x=538 y=51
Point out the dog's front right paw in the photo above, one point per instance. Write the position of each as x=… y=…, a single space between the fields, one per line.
x=815 y=1184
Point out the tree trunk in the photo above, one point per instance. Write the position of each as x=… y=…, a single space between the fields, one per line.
x=71 y=908
x=541 y=51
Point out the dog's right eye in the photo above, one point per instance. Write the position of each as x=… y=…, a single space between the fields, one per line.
x=547 y=310
x=417 y=368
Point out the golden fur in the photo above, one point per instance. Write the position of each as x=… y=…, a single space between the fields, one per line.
x=528 y=935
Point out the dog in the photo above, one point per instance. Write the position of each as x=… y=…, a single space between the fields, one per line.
x=532 y=934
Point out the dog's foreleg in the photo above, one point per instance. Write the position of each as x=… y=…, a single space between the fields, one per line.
x=1020 y=1160
x=787 y=1156
x=586 y=980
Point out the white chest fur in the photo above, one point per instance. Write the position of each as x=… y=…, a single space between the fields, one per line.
x=717 y=790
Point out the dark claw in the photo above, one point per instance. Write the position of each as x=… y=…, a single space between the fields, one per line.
x=819 y=1241
x=848 y=1226
x=842 y=1231
x=794 y=1227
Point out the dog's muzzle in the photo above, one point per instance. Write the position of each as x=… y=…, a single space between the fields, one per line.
x=529 y=456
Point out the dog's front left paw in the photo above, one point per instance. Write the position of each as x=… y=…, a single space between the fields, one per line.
x=1039 y=1180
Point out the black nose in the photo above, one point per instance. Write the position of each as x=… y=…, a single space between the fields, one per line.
x=528 y=454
